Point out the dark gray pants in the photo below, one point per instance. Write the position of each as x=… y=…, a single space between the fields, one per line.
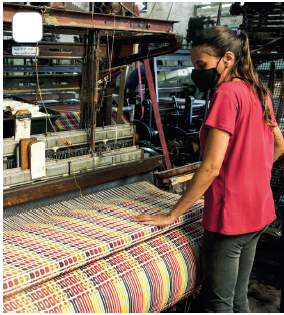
x=227 y=263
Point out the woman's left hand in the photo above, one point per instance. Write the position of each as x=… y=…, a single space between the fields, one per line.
x=155 y=219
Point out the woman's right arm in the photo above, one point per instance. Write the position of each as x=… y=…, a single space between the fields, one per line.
x=278 y=144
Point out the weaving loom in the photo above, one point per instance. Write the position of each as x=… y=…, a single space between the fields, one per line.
x=88 y=255
x=68 y=254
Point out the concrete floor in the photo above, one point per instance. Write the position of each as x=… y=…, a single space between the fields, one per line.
x=265 y=280
x=263 y=298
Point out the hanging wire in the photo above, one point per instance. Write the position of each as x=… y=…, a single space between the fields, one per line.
x=170 y=11
x=67 y=143
x=152 y=9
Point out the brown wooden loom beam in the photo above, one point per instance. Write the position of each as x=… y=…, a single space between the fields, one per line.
x=56 y=18
x=179 y=170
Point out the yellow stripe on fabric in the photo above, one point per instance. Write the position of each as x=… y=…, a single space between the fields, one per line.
x=124 y=297
x=161 y=268
x=184 y=272
x=183 y=266
x=97 y=300
x=155 y=267
x=144 y=283
x=162 y=259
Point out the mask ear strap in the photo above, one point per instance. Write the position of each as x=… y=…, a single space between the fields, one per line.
x=218 y=62
x=226 y=66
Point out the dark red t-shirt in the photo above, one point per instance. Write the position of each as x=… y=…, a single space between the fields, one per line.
x=240 y=199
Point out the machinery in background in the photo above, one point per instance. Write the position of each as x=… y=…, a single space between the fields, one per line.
x=264 y=17
x=87 y=71
x=181 y=125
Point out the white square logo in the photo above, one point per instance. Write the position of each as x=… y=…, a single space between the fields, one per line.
x=27 y=27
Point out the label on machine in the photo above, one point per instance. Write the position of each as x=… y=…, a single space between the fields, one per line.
x=24 y=50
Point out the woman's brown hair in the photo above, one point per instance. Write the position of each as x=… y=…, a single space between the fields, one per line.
x=221 y=39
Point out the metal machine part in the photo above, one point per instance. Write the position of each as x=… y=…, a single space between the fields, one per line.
x=76 y=137
x=114 y=145
x=66 y=153
x=41 y=190
x=74 y=165
x=143 y=131
x=188 y=117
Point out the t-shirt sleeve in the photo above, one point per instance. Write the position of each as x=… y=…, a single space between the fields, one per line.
x=222 y=113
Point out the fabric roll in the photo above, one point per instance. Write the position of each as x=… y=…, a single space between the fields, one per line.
x=147 y=277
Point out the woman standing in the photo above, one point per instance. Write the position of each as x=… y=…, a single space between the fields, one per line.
x=240 y=141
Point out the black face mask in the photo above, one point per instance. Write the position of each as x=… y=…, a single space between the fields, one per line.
x=206 y=79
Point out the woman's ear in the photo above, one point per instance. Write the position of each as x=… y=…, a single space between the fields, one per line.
x=228 y=58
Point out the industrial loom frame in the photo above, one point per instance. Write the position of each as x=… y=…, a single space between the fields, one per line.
x=101 y=275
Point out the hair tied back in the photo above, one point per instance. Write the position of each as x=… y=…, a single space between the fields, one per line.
x=238 y=32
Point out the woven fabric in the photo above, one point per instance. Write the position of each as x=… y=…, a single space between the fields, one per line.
x=46 y=242
x=70 y=116
x=67 y=121
x=146 y=277
x=124 y=119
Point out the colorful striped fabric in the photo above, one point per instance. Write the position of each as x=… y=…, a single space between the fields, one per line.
x=147 y=277
x=70 y=117
x=57 y=239
x=124 y=119
x=67 y=121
